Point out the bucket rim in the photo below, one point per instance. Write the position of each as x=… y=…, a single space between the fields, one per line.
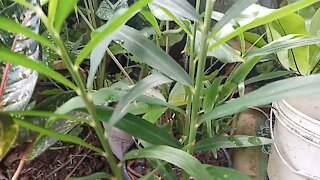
x=299 y=113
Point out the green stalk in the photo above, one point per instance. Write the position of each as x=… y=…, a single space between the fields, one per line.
x=200 y=73
x=81 y=91
x=191 y=72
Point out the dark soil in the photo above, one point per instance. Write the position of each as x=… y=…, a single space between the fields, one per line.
x=140 y=167
x=59 y=162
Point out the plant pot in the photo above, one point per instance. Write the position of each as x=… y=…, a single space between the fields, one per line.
x=127 y=175
x=296 y=151
x=119 y=141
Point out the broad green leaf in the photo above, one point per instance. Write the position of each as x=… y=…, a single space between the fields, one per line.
x=151 y=54
x=94 y=176
x=269 y=17
x=107 y=9
x=180 y=8
x=140 y=88
x=153 y=114
x=64 y=8
x=307 y=14
x=59 y=136
x=237 y=141
x=255 y=39
x=284 y=44
x=19 y=59
x=8 y=134
x=177 y=157
x=233 y=12
x=223 y=173
x=276 y=91
x=299 y=58
x=236 y=77
x=112 y=26
x=139 y=128
x=173 y=39
x=267 y=76
x=13 y=27
x=178 y=95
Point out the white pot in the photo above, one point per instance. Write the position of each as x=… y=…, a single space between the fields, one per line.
x=296 y=151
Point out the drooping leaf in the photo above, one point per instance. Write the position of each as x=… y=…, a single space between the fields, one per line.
x=267 y=76
x=140 y=88
x=276 y=91
x=237 y=141
x=180 y=8
x=18 y=59
x=111 y=27
x=107 y=9
x=232 y=12
x=151 y=54
x=180 y=158
x=8 y=134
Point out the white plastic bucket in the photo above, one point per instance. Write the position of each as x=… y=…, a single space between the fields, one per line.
x=296 y=151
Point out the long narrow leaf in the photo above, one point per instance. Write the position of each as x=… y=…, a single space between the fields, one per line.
x=19 y=59
x=140 y=128
x=64 y=8
x=140 y=88
x=238 y=141
x=233 y=12
x=149 y=53
x=13 y=27
x=61 y=137
x=276 y=91
x=113 y=25
x=174 y=156
x=284 y=44
x=180 y=8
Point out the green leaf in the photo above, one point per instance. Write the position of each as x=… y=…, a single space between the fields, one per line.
x=64 y=8
x=276 y=91
x=107 y=9
x=284 y=44
x=140 y=88
x=8 y=134
x=223 y=173
x=13 y=27
x=19 y=59
x=149 y=53
x=237 y=141
x=111 y=27
x=232 y=12
x=153 y=114
x=211 y=94
x=94 y=176
x=180 y=8
x=152 y=20
x=140 y=128
x=177 y=157
x=59 y=136
x=267 y=76
x=276 y=14
x=315 y=24
x=237 y=77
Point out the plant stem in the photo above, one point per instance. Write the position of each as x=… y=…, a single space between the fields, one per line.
x=191 y=73
x=200 y=74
